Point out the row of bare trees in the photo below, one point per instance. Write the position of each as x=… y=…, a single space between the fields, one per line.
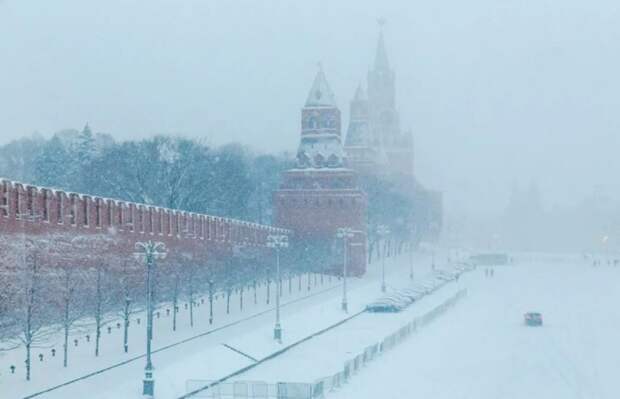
x=53 y=288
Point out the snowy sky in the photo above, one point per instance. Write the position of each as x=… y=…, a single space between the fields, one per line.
x=496 y=91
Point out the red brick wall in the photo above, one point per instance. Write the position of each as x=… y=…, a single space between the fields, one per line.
x=318 y=213
x=30 y=212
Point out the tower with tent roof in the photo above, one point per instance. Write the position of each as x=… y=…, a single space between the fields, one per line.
x=321 y=194
x=377 y=146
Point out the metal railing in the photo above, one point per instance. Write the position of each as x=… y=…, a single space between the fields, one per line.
x=318 y=389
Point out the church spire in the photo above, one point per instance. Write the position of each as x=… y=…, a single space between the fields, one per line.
x=360 y=95
x=381 y=59
x=320 y=94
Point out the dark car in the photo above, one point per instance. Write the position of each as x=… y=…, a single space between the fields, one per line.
x=533 y=319
x=384 y=306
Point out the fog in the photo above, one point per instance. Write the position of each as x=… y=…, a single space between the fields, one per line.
x=498 y=94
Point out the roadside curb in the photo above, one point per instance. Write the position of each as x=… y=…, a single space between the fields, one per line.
x=269 y=357
x=183 y=341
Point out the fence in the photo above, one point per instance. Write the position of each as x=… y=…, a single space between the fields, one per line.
x=352 y=366
x=251 y=389
x=318 y=389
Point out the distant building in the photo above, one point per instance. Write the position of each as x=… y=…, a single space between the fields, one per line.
x=377 y=146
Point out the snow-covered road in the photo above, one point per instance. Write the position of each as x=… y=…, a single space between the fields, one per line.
x=482 y=350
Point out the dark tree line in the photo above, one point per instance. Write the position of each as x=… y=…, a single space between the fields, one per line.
x=172 y=172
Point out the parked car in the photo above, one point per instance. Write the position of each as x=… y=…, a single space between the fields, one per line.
x=412 y=293
x=533 y=319
x=446 y=275
x=384 y=306
x=417 y=289
x=399 y=297
x=422 y=287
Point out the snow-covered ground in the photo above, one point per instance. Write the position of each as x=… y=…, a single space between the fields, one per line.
x=204 y=357
x=326 y=354
x=50 y=372
x=480 y=349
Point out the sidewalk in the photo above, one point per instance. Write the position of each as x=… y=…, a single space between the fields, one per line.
x=206 y=358
x=326 y=354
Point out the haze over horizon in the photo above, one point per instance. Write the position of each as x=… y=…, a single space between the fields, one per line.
x=495 y=94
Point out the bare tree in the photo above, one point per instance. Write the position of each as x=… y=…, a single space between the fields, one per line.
x=69 y=284
x=99 y=260
x=8 y=324
x=102 y=299
x=192 y=281
x=130 y=285
x=33 y=314
x=174 y=290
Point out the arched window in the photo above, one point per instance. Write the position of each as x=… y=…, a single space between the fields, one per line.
x=319 y=160
x=333 y=161
x=312 y=123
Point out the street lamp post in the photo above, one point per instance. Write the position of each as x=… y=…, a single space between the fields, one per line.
x=148 y=252
x=345 y=233
x=411 y=247
x=383 y=231
x=277 y=242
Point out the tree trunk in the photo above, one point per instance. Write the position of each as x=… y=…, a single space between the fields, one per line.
x=98 y=304
x=228 y=294
x=66 y=331
x=191 y=308
x=97 y=334
x=175 y=302
x=28 y=361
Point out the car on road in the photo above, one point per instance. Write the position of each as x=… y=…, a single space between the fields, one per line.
x=533 y=319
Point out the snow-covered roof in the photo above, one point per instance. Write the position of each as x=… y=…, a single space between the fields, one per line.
x=320 y=94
